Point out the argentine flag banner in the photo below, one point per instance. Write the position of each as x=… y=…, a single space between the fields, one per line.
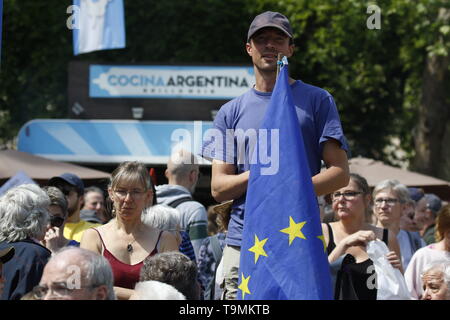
x=99 y=25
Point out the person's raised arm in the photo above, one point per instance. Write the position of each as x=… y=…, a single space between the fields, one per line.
x=336 y=175
x=225 y=183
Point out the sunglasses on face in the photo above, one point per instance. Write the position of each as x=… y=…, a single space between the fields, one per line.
x=56 y=221
x=65 y=189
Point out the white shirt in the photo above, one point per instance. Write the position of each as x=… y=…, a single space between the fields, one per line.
x=420 y=260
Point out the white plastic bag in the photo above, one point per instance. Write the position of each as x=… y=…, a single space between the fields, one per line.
x=391 y=284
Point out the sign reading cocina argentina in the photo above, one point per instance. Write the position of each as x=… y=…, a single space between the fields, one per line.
x=171 y=82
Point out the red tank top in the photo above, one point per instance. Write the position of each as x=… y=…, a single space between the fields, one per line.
x=125 y=275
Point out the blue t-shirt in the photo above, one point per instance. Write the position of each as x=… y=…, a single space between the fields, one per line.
x=319 y=122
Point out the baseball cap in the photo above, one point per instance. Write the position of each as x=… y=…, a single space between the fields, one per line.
x=6 y=254
x=69 y=178
x=270 y=19
x=416 y=193
x=434 y=203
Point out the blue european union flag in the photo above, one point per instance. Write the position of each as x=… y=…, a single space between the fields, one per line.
x=99 y=25
x=283 y=252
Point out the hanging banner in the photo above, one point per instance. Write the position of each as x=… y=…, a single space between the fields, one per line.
x=176 y=82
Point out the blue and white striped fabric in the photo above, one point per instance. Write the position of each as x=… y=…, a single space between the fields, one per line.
x=109 y=141
x=100 y=25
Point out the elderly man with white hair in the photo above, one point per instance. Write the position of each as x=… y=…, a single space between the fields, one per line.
x=76 y=274
x=23 y=223
x=182 y=173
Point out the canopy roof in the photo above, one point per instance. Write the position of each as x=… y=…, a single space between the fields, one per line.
x=41 y=169
x=376 y=171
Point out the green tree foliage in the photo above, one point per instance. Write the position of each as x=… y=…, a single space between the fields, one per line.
x=374 y=75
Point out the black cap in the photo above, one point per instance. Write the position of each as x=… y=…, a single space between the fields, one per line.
x=270 y=19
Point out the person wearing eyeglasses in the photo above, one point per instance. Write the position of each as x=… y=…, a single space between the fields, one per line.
x=391 y=201
x=75 y=274
x=125 y=241
x=23 y=223
x=346 y=241
x=54 y=237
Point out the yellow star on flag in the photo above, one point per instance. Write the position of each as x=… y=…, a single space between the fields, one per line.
x=322 y=238
x=294 y=230
x=258 y=248
x=244 y=286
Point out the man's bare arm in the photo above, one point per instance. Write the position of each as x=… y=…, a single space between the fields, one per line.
x=336 y=175
x=225 y=183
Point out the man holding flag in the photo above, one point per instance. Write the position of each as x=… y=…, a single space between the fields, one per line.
x=283 y=216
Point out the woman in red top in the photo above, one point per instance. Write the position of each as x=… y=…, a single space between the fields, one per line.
x=125 y=241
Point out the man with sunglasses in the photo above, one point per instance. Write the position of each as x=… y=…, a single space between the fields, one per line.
x=54 y=237
x=73 y=189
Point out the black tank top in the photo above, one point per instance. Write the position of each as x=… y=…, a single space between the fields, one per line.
x=354 y=281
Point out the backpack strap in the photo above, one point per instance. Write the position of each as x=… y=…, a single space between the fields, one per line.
x=175 y=203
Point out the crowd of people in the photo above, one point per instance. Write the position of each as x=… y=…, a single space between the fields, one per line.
x=138 y=252
x=62 y=241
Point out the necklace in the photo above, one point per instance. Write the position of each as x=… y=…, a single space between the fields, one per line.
x=130 y=247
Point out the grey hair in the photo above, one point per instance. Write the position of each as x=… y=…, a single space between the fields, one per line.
x=57 y=198
x=173 y=268
x=23 y=213
x=181 y=163
x=96 y=269
x=156 y=290
x=400 y=190
x=161 y=217
x=442 y=266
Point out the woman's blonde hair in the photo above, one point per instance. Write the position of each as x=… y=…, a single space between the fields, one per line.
x=132 y=171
